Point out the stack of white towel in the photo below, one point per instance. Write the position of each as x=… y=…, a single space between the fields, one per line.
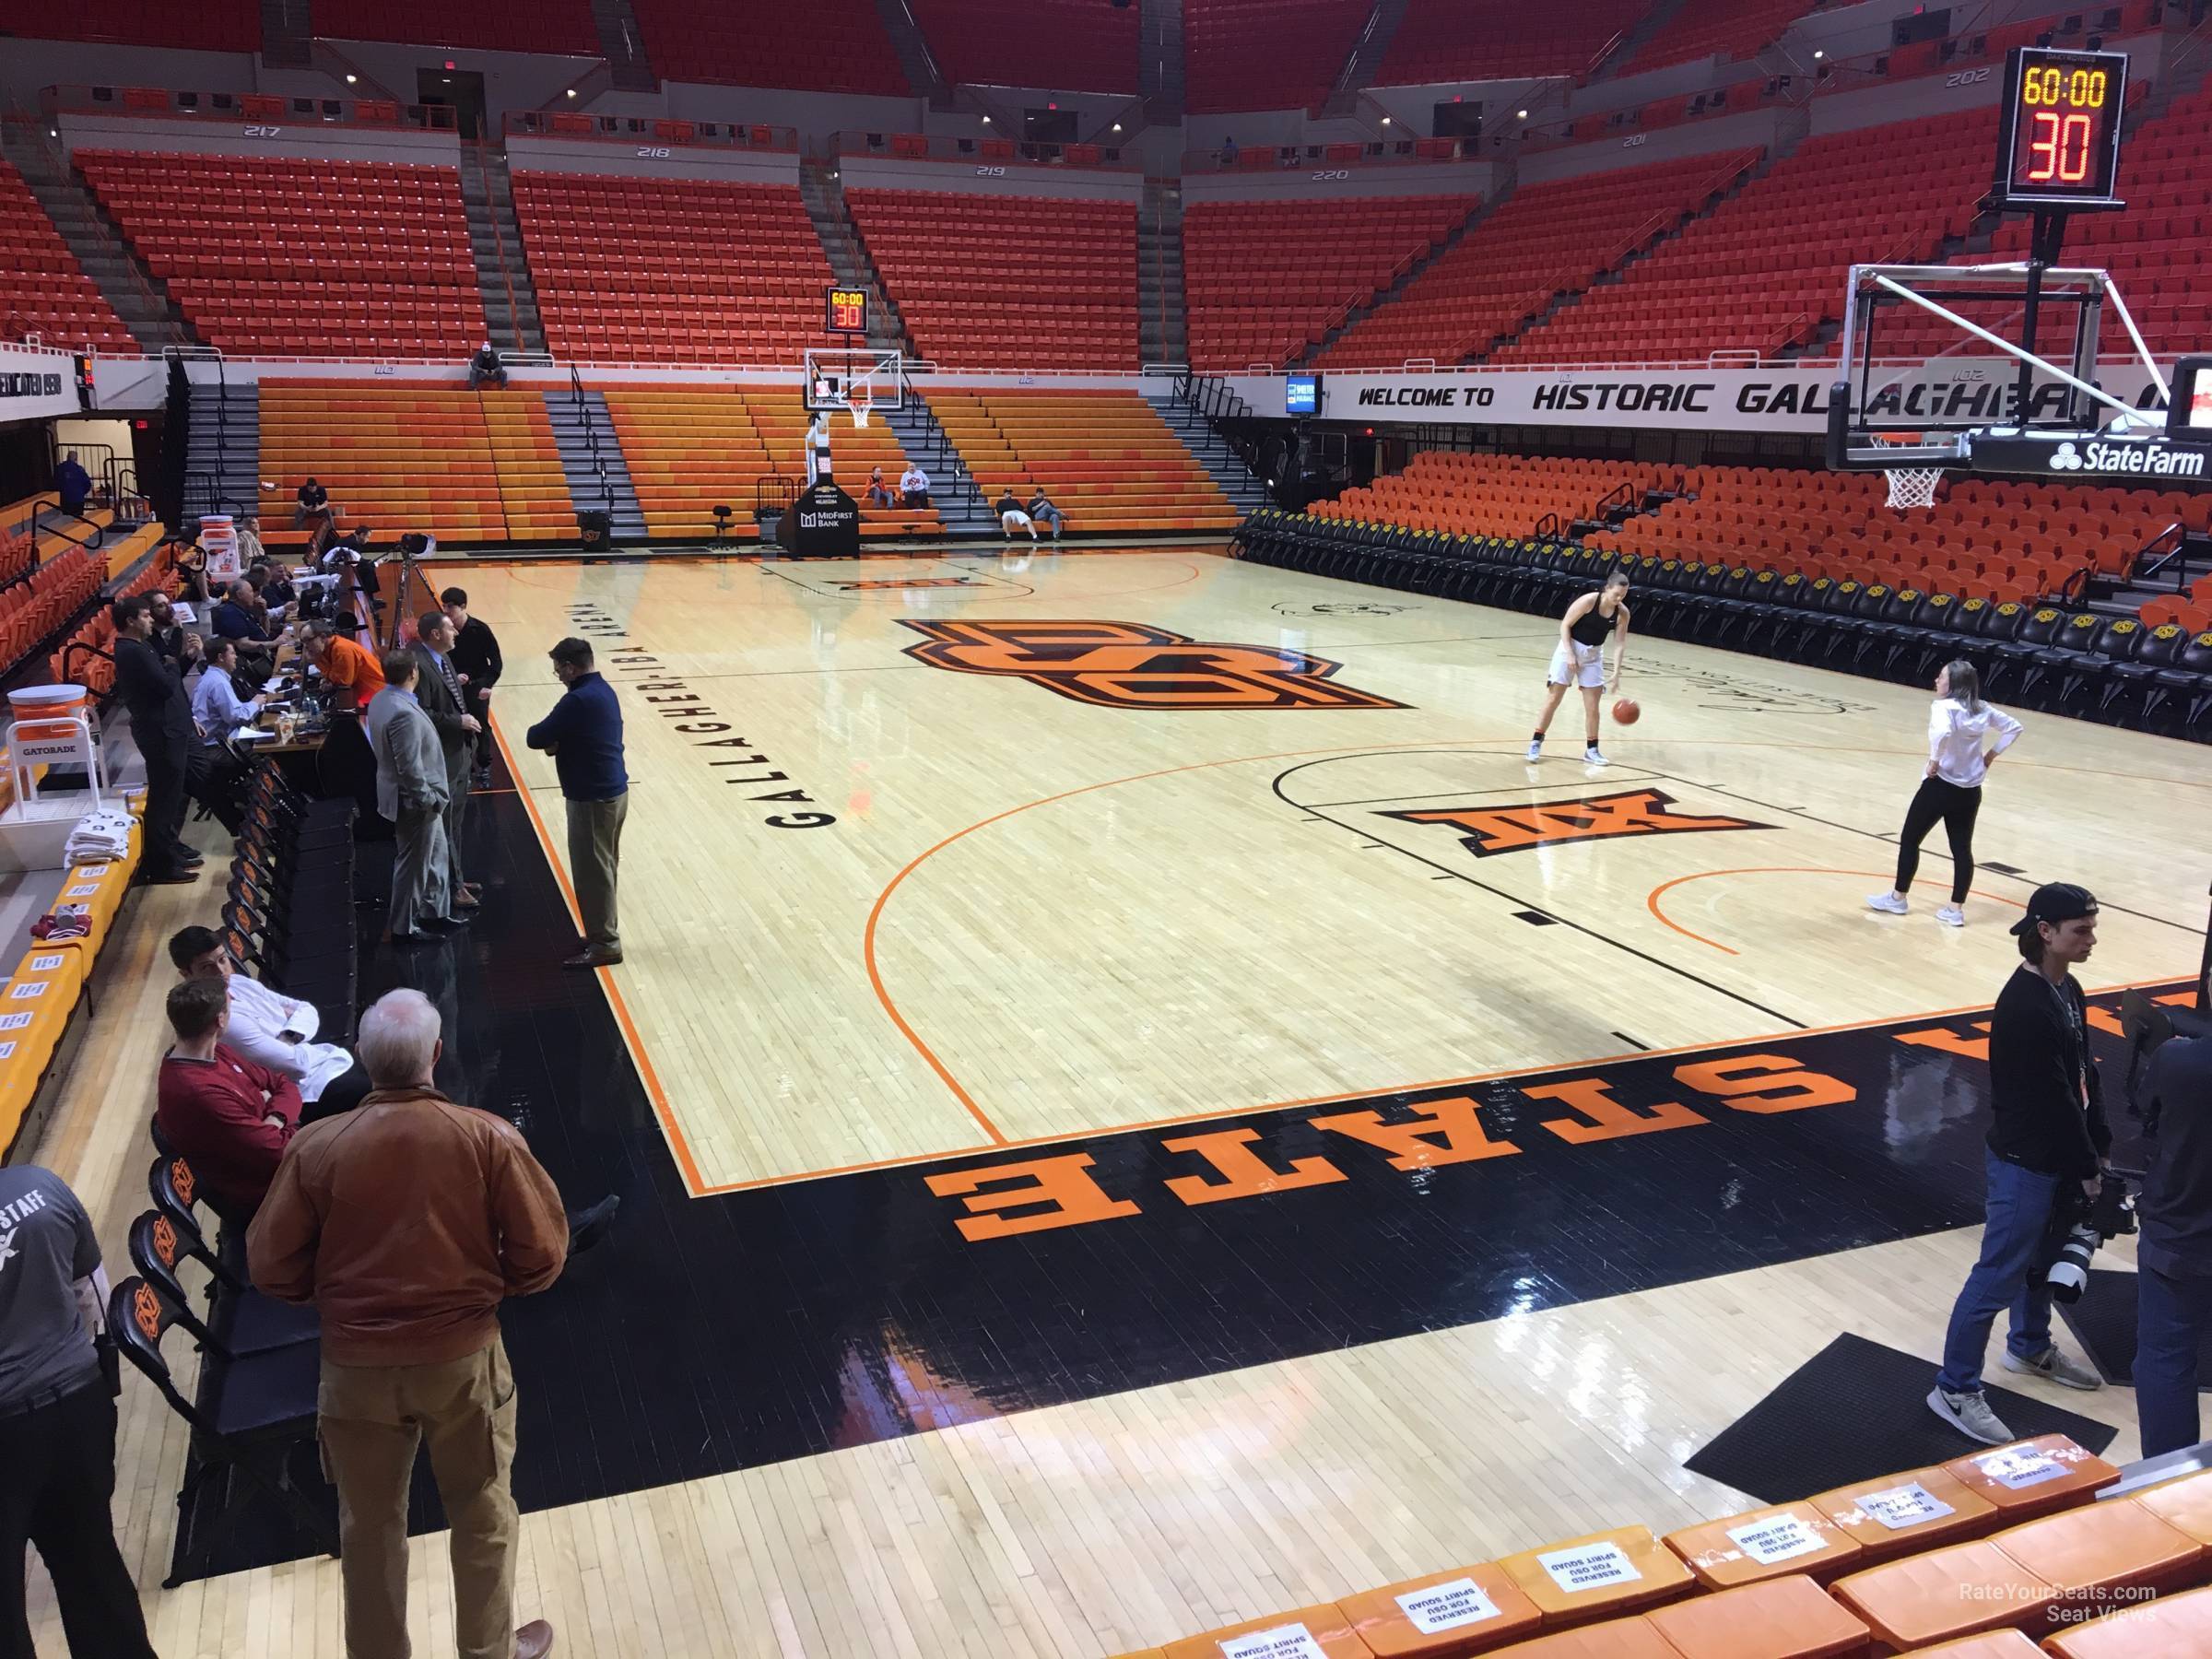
x=101 y=837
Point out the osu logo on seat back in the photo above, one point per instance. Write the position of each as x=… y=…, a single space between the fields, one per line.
x=1131 y=665
x=1488 y=831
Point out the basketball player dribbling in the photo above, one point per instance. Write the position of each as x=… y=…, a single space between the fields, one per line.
x=1579 y=661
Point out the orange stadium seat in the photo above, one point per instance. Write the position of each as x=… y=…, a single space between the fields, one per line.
x=1546 y=239
x=824 y=46
x=1062 y=276
x=1788 y=1617
x=278 y=255
x=2173 y=1624
x=1491 y=495
x=220 y=26
x=1105 y=457
x=1502 y=40
x=1381 y=1617
x=395 y=457
x=614 y=285
x=1579 y=1580
x=1264 y=279
x=563 y=25
x=42 y=288
x=1032 y=43
x=1763 y=269
x=1728 y=28
x=1306 y=43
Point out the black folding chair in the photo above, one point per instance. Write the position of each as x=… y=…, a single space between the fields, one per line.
x=240 y=1321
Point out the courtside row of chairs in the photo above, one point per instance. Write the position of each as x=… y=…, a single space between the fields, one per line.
x=2046 y=656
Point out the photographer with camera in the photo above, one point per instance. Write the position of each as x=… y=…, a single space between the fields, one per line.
x=2047 y=1146
x=2173 y=1256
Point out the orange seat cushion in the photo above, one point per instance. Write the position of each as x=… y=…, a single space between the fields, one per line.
x=2033 y=1478
x=1324 y=1623
x=1618 y=1638
x=1960 y=1590
x=1990 y=1644
x=1466 y=1610
x=1775 y=1618
x=2185 y=1505
x=1901 y=1514
x=2103 y=1548
x=1599 y=1576
x=2174 y=1624
x=1767 y=1543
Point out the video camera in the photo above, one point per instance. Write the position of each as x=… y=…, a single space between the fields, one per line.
x=2089 y=1224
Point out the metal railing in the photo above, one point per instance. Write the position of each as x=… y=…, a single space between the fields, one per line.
x=478 y=151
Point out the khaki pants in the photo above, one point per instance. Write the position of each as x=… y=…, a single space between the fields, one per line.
x=372 y=1418
x=595 y=851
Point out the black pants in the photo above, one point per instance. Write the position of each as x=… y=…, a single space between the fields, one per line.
x=60 y=1476
x=342 y=1093
x=219 y=783
x=167 y=768
x=479 y=704
x=1957 y=809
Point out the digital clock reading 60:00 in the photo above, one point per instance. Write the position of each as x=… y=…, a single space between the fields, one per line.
x=2061 y=137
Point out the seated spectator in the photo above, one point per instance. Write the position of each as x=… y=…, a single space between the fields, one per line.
x=1043 y=513
x=250 y=550
x=217 y=712
x=272 y=1029
x=314 y=502
x=72 y=484
x=913 y=487
x=347 y=666
x=879 y=493
x=242 y=616
x=270 y=589
x=1228 y=152
x=228 y=1116
x=486 y=366
x=1010 y=515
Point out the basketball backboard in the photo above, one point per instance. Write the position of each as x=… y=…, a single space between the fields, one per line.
x=835 y=377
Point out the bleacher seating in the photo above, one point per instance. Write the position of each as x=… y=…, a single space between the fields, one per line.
x=1076 y=45
x=1764 y=268
x=394 y=457
x=2156 y=251
x=1449 y=491
x=1265 y=54
x=623 y=276
x=1502 y=40
x=278 y=255
x=534 y=491
x=1262 y=280
x=87 y=657
x=562 y=26
x=218 y=26
x=1106 y=458
x=1545 y=239
x=42 y=288
x=1015 y=282
x=691 y=448
x=824 y=46
x=1728 y=28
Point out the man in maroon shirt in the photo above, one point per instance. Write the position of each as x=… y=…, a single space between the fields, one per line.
x=228 y=1117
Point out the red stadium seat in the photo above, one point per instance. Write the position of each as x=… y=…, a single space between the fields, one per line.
x=43 y=290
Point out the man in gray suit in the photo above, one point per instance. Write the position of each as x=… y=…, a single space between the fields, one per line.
x=438 y=690
x=411 y=792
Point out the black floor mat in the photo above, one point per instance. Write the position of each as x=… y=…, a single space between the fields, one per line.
x=1856 y=1411
x=2103 y=1321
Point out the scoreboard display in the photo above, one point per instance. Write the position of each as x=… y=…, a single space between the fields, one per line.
x=2058 y=136
x=845 y=311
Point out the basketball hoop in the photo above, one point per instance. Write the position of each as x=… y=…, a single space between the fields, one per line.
x=1910 y=487
x=860 y=398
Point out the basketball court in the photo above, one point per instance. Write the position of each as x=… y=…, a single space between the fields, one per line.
x=933 y=857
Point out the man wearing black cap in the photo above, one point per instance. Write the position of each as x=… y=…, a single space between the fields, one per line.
x=2047 y=1131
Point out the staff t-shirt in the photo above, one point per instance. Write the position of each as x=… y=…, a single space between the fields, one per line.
x=46 y=1245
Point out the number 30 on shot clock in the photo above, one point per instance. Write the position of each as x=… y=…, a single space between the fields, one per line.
x=845 y=311
x=2058 y=144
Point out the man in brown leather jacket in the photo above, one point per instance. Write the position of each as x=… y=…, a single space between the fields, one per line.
x=405 y=1221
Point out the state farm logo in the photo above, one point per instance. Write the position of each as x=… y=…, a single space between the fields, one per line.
x=2065 y=458
x=1486 y=831
x=2146 y=460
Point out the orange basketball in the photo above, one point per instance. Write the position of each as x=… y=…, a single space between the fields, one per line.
x=1626 y=712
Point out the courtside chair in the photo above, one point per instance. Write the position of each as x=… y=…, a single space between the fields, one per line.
x=242 y=1321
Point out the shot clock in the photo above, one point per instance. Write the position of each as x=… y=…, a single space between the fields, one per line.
x=2058 y=136
x=845 y=311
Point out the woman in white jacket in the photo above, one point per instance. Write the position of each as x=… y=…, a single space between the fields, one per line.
x=1958 y=724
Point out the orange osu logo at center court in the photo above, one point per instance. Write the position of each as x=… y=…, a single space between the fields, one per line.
x=1488 y=831
x=1131 y=665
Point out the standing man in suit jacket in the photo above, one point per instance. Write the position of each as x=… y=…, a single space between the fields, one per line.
x=410 y=790
x=152 y=690
x=477 y=661
x=440 y=692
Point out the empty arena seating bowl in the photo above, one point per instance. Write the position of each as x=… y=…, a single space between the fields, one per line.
x=562 y=26
x=1264 y=279
x=1069 y=43
x=282 y=256
x=396 y=458
x=1502 y=40
x=823 y=46
x=1306 y=43
x=42 y=288
x=1728 y=28
x=1062 y=286
x=624 y=272
x=1105 y=457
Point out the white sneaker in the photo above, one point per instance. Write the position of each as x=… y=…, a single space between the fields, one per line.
x=1950 y=915
x=1890 y=904
x=1535 y=748
x=1592 y=757
x=2054 y=1367
x=1970 y=1415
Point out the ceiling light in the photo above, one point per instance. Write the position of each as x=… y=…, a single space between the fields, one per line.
x=350 y=79
x=986 y=121
x=1117 y=126
x=1818 y=56
x=572 y=91
x=1386 y=120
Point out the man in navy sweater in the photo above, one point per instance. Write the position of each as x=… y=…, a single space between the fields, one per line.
x=2173 y=1257
x=584 y=735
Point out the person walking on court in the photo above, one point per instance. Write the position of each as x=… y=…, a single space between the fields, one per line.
x=151 y=689
x=2047 y=1130
x=411 y=794
x=406 y=1222
x=584 y=735
x=438 y=690
x=1579 y=660
x=1959 y=726
x=57 y=1425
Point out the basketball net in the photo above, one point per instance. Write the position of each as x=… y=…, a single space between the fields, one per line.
x=860 y=398
x=1910 y=487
